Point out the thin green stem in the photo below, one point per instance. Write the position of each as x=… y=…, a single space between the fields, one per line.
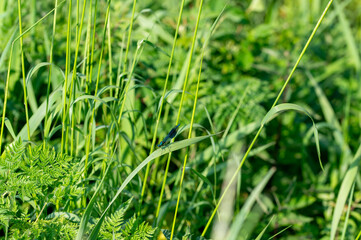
x=50 y=71
x=87 y=49
x=23 y=72
x=110 y=58
x=72 y=82
x=129 y=36
x=6 y=94
x=92 y=47
x=84 y=72
x=119 y=68
x=65 y=87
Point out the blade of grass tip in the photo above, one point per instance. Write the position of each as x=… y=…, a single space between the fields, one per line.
x=280 y=232
x=157 y=153
x=6 y=50
x=9 y=67
x=274 y=104
x=10 y=128
x=50 y=70
x=23 y=72
x=260 y=235
x=344 y=191
x=327 y=109
x=162 y=102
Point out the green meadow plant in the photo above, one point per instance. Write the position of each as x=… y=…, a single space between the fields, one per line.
x=92 y=86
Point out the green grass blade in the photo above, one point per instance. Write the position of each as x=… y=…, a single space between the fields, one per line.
x=260 y=235
x=7 y=48
x=85 y=218
x=10 y=128
x=331 y=118
x=280 y=232
x=288 y=106
x=344 y=230
x=344 y=191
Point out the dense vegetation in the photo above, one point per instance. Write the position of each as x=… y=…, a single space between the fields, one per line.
x=267 y=95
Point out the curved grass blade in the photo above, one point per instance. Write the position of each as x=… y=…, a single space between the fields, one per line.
x=289 y=106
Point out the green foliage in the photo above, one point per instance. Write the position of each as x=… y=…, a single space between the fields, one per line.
x=44 y=194
x=33 y=178
x=56 y=228
x=137 y=232
x=36 y=176
x=115 y=227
